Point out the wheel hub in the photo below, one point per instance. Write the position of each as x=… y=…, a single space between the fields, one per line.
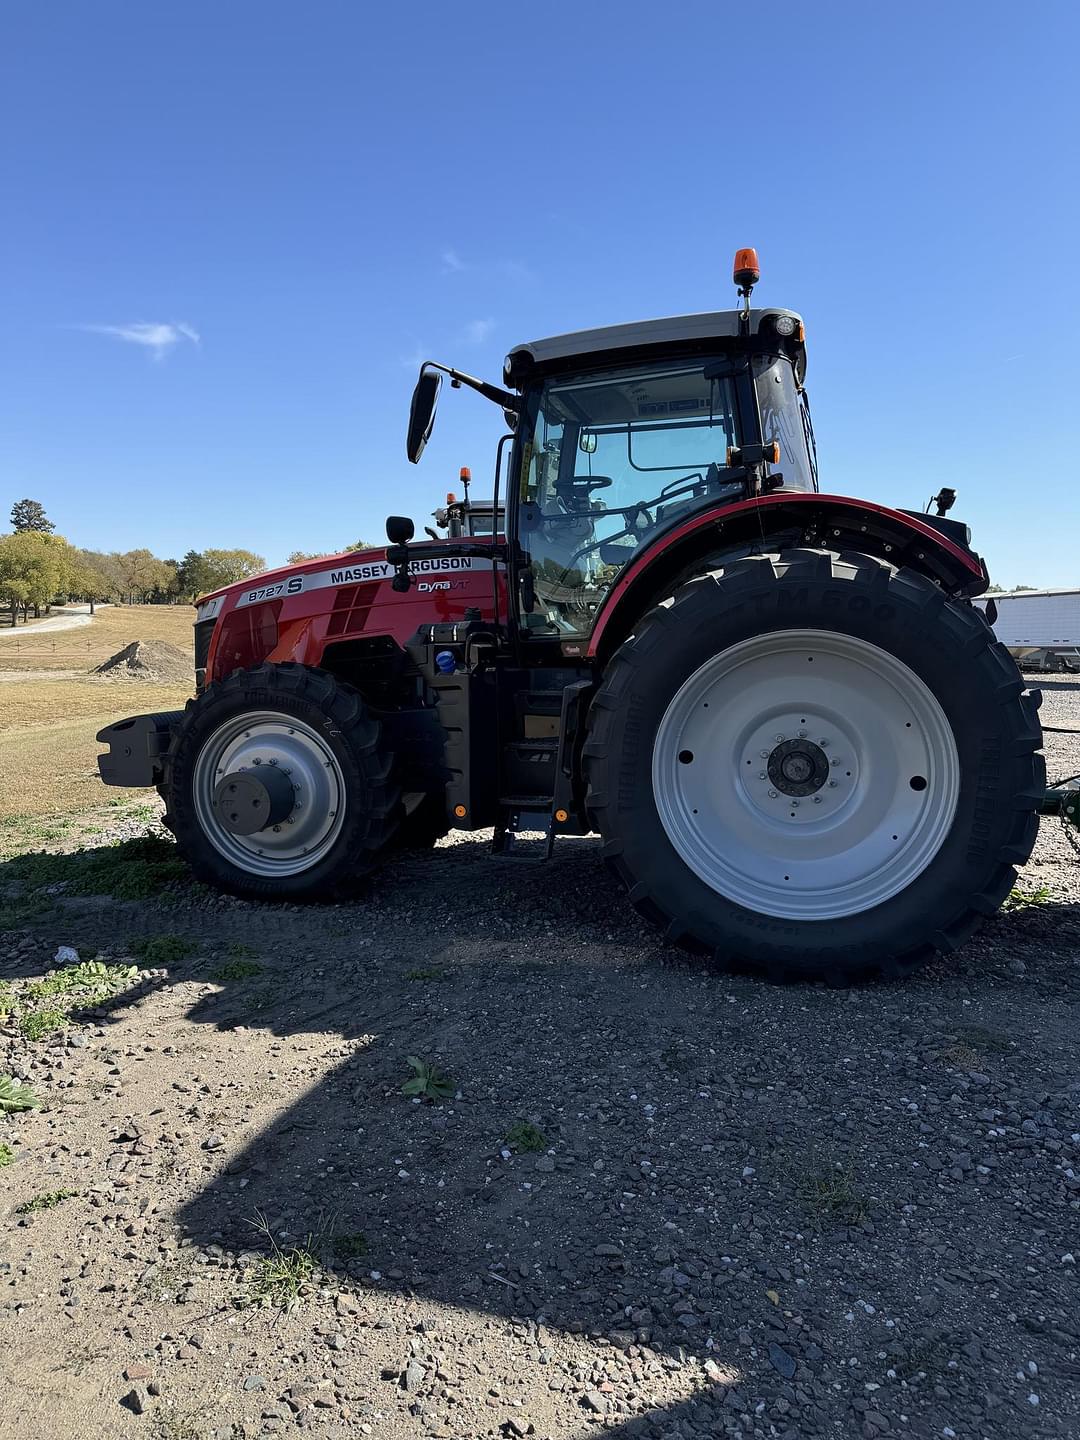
x=248 y=801
x=269 y=793
x=798 y=767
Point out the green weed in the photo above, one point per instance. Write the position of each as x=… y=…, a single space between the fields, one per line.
x=7 y=1154
x=158 y=952
x=1020 y=899
x=15 y=1097
x=236 y=970
x=827 y=1188
x=431 y=973
x=40 y=1023
x=348 y=1247
x=427 y=1082
x=94 y=976
x=282 y=1279
x=48 y=1201
x=128 y=870
x=523 y=1136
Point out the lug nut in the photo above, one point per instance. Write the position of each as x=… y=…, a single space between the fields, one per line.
x=779 y=738
x=772 y=794
x=832 y=784
x=817 y=799
x=761 y=774
x=764 y=754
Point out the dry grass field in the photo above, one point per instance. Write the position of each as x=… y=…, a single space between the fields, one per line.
x=51 y=707
x=113 y=627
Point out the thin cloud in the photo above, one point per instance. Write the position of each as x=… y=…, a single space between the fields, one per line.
x=157 y=337
x=477 y=331
x=506 y=267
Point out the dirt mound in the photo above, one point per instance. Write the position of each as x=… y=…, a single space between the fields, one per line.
x=154 y=660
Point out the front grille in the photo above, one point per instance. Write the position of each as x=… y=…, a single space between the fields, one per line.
x=204 y=630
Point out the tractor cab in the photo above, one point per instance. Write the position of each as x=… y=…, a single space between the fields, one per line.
x=622 y=436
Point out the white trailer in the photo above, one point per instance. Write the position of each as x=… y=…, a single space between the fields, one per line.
x=1037 y=620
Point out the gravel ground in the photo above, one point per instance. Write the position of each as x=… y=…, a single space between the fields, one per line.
x=749 y=1210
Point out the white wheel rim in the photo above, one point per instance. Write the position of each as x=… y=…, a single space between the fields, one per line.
x=724 y=765
x=269 y=738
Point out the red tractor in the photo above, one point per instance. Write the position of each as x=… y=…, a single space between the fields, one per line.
x=801 y=746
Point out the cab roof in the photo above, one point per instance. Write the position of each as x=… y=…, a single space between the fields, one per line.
x=652 y=338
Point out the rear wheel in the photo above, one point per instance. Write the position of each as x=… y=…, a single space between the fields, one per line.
x=815 y=766
x=279 y=785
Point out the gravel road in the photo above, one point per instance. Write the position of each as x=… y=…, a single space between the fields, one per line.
x=750 y=1211
x=71 y=619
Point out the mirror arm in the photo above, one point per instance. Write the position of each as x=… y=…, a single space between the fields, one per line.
x=490 y=392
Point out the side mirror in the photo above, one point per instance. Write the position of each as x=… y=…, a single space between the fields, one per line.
x=399 y=529
x=587 y=442
x=422 y=413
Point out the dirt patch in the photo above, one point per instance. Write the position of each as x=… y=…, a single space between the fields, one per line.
x=154 y=660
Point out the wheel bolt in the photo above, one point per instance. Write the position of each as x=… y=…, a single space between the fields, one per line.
x=832 y=784
x=779 y=738
x=772 y=794
x=823 y=742
x=761 y=774
x=794 y=802
x=817 y=799
x=834 y=762
x=764 y=754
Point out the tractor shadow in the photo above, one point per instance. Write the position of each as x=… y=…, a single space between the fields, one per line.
x=646 y=1083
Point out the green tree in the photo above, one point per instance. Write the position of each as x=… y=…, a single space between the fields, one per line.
x=225 y=567
x=30 y=515
x=35 y=567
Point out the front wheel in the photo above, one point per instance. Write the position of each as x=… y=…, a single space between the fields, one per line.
x=815 y=766
x=280 y=786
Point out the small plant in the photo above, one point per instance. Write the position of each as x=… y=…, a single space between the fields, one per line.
x=348 y=1247
x=7 y=1000
x=41 y=1023
x=127 y=870
x=48 y=1201
x=427 y=1082
x=280 y=1280
x=236 y=970
x=95 y=976
x=1020 y=899
x=827 y=1189
x=239 y=951
x=15 y=1097
x=431 y=973
x=7 y=1155
x=523 y=1136
x=158 y=952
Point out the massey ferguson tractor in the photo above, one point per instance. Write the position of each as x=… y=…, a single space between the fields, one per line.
x=801 y=746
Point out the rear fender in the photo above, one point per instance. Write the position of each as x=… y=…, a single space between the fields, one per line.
x=779 y=522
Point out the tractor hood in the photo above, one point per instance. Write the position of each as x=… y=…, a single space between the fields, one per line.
x=210 y=605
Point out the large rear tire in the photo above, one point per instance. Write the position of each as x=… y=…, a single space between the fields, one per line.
x=332 y=820
x=815 y=766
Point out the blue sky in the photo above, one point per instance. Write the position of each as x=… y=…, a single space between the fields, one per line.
x=322 y=194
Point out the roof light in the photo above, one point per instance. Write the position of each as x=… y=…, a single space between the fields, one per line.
x=747 y=271
x=451 y=498
x=465 y=474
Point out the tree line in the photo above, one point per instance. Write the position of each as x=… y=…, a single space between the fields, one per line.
x=38 y=567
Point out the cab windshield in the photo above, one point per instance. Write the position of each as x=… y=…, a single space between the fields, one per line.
x=611 y=460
